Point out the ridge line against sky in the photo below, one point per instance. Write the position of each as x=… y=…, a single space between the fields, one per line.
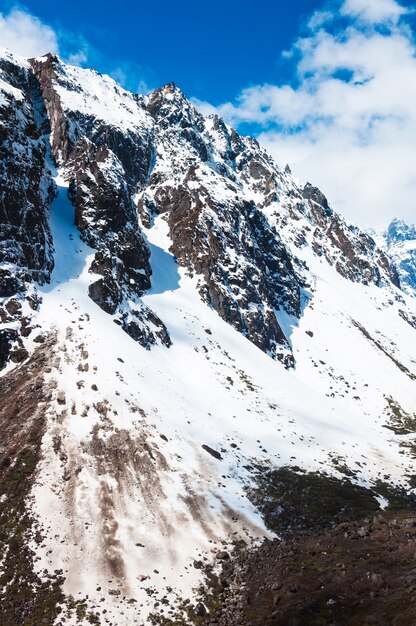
x=339 y=107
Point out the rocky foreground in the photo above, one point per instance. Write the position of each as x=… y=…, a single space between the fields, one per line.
x=357 y=573
x=354 y=574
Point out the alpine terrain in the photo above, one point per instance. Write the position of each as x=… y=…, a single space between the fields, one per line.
x=198 y=356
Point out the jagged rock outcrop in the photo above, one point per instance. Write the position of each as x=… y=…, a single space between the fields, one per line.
x=353 y=252
x=224 y=196
x=106 y=154
x=236 y=220
x=244 y=271
x=25 y=192
x=82 y=103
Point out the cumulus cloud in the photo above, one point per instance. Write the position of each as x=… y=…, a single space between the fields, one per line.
x=374 y=11
x=347 y=122
x=26 y=35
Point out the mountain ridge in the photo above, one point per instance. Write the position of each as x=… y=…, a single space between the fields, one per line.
x=186 y=311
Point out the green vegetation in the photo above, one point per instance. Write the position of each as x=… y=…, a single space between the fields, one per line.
x=401 y=423
x=25 y=599
x=294 y=501
x=245 y=378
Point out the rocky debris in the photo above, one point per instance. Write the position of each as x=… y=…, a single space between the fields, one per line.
x=342 y=576
x=200 y=610
x=212 y=452
x=22 y=423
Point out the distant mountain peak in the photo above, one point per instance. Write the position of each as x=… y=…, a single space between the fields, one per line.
x=400 y=243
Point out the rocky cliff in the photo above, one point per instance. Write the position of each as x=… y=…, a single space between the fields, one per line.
x=195 y=350
x=236 y=220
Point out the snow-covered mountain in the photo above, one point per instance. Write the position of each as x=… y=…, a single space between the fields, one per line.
x=399 y=241
x=175 y=309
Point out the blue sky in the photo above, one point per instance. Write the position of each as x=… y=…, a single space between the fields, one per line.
x=210 y=49
x=327 y=86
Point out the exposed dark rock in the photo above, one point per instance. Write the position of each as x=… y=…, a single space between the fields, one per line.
x=353 y=252
x=198 y=171
x=212 y=452
x=104 y=165
x=7 y=338
x=320 y=580
x=103 y=208
x=222 y=555
x=25 y=191
x=131 y=147
x=247 y=272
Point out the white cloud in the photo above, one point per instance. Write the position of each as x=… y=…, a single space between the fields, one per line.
x=347 y=122
x=373 y=11
x=129 y=74
x=26 y=35
x=78 y=58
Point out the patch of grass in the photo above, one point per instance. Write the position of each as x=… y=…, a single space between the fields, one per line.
x=398 y=498
x=245 y=378
x=25 y=599
x=341 y=465
x=401 y=423
x=294 y=501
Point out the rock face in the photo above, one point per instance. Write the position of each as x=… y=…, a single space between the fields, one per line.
x=100 y=136
x=244 y=270
x=353 y=252
x=238 y=223
x=25 y=192
x=127 y=213
x=82 y=103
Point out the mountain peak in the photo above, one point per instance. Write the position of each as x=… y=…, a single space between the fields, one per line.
x=170 y=92
x=170 y=88
x=178 y=318
x=399 y=230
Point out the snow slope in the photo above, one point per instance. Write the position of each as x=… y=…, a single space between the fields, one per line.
x=129 y=491
x=149 y=446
